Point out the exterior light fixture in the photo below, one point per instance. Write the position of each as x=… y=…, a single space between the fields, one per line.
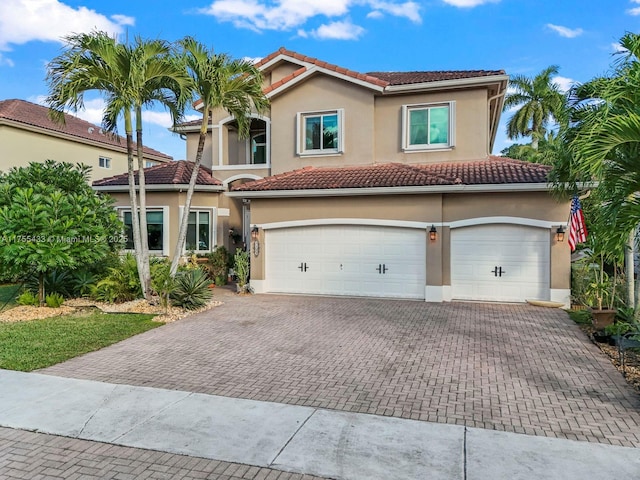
x=433 y=233
x=560 y=234
x=256 y=240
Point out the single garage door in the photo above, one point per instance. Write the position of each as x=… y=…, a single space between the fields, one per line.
x=505 y=263
x=347 y=260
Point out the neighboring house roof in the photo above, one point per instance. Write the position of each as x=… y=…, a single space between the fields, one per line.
x=22 y=113
x=177 y=173
x=491 y=171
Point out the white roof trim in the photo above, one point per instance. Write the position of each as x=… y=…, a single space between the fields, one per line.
x=159 y=187
x=315 y=69
x=280 y=57
x=341 y=192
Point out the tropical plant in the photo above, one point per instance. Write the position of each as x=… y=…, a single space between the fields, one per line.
x=219 y=265
x=241 y=265
x=54 y=300
x=52 y=220
x=56 y=281
x=129 y=77
x=27 y=298
x=161 y=281
x=218 y=81
x=121 y=283
x=82 y=282
x=539 y=101
x=191 y=289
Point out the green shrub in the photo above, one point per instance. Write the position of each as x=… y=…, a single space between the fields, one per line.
x=121 y=283
x=161 y=281
x=54 y=300
x=241 y=267
x=219 y=265
x=82 y=282
x=28 y=298
x=581 y=317
x=56 y=281
x=191 y=289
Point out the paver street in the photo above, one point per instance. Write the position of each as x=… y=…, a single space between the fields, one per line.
x=515 y=368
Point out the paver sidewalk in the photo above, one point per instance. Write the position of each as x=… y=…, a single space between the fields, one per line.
x=292 y=438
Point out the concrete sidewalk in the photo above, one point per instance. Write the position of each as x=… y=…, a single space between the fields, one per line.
x=296 y=439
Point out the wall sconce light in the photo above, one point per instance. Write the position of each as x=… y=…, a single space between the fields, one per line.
x=560 y=234
x=433 y=233
x=255 y=236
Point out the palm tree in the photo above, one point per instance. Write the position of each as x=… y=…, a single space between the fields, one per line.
x=128 y=77
x=539 y=101
x=219 y=82
x=606 y=146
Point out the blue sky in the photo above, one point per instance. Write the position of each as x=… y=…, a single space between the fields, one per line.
x=519 y=36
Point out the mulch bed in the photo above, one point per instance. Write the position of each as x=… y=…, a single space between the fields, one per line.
x=632 y=358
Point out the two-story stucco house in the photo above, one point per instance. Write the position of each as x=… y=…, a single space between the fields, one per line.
x=382 y=184
x=28 y=135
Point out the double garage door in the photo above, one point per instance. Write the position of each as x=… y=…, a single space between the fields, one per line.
x=505 y=263
x=347 y=260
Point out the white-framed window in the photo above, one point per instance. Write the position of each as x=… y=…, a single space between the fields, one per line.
x=149 y=163
x=104 y=162
x=157 y=230
x=259 y=148
x=320 y=133
x=199 y=231
x=428 y=126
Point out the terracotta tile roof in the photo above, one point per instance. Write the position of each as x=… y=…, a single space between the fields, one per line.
x=328 y=66
x=407 y=78
x=170 y=173
x=493 y=170
x=28 y=113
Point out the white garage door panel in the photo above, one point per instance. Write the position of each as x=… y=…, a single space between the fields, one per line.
x=344 y=260
x=521 y=251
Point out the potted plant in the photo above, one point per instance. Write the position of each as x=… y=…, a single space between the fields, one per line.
x=601 y=292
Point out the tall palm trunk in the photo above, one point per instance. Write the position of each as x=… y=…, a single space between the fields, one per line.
x=145 y=278
x=135 y=222
x=629 y=254
x=184 y=221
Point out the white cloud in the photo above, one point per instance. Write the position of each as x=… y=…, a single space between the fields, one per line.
x=163 y=119
x=563 y=83
x=565 y=31
x=23 y=21
x=6 y=61
x=289 y=14
x=338 y=31
x=634 y=11
x=468 y=3
x=252 y=59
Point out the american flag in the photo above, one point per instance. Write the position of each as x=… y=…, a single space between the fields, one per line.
x=577 y=228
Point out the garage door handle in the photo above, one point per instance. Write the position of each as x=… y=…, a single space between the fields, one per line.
x=382 y=268
x=497 y=271
x=303 y=267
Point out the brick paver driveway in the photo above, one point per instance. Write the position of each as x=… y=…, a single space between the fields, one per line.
x=508 y=367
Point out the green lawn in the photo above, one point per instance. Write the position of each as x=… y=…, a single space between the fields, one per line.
x=27 y=346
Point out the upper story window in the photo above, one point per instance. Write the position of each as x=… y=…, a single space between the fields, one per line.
x=320 y=133
x=104 y=162
x=149 y=163
x=259 y=148
x=428 y=126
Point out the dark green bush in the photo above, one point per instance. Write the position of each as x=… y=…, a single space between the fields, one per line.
x=191 y=289
x=219 y=265
x=121 y=283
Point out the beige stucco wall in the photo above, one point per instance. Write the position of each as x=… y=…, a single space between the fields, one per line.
x=280 y=71
x=19 y=147
x=192 y=147
x=174 y=200
x=429 y=209
x=320 y=93
x=471 y=127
